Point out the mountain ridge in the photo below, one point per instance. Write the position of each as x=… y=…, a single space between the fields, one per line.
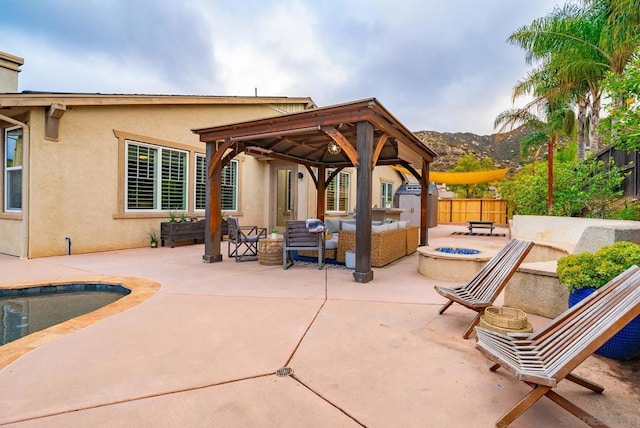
x=503 y=148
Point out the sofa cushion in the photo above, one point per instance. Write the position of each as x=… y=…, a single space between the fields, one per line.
x=402 y=223
x=347 y=226
x=331 y=244
x=332 y=224
x=345 y=221
x=379 y=227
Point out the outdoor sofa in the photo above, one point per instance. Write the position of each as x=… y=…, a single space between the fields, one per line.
x=390 y=240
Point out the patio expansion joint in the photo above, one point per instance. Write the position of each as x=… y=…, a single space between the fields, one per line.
x=294 y=377
x=139 y=398
x=326 y=400
x=232 y=381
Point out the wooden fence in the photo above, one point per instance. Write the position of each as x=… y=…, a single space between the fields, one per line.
x=464 y=210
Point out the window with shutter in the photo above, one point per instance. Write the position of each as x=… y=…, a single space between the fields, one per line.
x=229 y=187
x=229 y=184
x=156 y=178
x=201 y=182
x=338 y=191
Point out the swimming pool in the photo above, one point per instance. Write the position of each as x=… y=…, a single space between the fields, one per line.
x=27 y=310
x=141 y=290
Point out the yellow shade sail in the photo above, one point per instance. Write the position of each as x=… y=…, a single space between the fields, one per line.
x=474 y=177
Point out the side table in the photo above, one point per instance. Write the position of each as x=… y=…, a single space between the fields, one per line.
x=270 y=251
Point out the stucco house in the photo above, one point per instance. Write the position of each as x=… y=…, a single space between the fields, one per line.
x=97 y=172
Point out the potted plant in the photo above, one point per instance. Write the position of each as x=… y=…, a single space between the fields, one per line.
x=583 y=273
x=274 y=233
x=153 y=238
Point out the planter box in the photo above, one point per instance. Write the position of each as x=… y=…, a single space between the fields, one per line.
x=180 y=232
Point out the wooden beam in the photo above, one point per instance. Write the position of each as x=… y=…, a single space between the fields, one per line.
x=413 y=172
x=341 y=140
x=379 y=145
x=333 y=175
x=331 y=117
x=312 y=175
x=274 y=155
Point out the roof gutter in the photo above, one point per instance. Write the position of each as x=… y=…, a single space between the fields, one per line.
x=24 y=238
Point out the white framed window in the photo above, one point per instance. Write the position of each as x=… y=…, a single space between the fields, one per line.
x=338 y=191
x=12 y=166
x=386 y=195
x=229 y=188
x=156 y=178
x=201 y=182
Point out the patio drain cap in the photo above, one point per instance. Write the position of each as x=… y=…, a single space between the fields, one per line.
x=284 y=372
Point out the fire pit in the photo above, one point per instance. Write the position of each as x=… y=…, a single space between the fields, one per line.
x=454 y=250
x=451 y=263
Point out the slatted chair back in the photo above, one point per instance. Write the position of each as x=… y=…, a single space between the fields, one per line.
x=484 y=287
x=234 y=227
x=588 y=325
x=549 y=355
x=297 y=237
x=243 y=240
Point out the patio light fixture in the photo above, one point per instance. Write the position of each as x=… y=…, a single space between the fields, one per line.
x=334 y=148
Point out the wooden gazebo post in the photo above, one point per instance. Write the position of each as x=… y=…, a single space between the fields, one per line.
x=363 y=272
x=322 y=192
x=213 y=212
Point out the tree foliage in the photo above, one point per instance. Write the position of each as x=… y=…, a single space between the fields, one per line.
x=581 y=189
x=622 y=126
x=470 y=163
x=574 y=47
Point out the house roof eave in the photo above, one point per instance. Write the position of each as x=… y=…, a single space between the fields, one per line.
x=39 y=99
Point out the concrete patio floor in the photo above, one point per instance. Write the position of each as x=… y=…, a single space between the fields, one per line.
x=204 y=350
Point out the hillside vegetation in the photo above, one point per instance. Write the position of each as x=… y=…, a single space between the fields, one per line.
x=450 y=147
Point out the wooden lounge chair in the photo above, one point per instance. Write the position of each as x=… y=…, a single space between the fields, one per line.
x=543 y=358
x=485 y=286
x=243 y=240
x=297 y=237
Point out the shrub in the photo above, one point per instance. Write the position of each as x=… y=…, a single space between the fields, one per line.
x=586 y=269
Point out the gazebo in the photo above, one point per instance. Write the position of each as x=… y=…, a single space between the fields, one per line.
x=361 y=134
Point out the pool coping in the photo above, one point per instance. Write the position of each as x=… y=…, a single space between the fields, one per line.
x=141 y=290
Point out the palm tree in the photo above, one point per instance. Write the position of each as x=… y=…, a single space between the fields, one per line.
x=545 y=83
x=579 y=45
x=551 y=126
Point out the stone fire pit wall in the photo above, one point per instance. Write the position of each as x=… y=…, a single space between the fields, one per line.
x=535 y=287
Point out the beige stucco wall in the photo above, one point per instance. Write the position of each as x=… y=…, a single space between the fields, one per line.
x=10 y=233
x=76 y=182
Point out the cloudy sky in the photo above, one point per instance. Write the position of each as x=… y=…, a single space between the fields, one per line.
x=438 y=65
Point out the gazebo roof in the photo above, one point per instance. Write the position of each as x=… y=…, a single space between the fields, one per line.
x=362 y=134
x=304 y=137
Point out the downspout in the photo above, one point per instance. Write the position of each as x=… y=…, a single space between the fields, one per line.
x=24 y=251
